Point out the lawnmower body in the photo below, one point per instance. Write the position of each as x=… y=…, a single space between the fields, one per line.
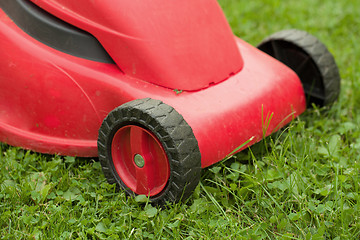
x=180 y=52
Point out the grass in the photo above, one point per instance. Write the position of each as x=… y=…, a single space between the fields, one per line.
x=299 y=183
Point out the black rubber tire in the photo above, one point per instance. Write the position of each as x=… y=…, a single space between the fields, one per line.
x=173 y=132
x=311 y=61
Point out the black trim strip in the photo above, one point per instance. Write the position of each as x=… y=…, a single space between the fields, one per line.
x=54 y=32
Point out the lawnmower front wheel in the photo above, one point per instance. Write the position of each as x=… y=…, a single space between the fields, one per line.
x=147 y=148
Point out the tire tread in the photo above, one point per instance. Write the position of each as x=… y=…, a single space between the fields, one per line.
x=173 y=132
x=321 y=56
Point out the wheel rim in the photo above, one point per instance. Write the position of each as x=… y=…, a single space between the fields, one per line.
x=302 y=64
x=140 y=160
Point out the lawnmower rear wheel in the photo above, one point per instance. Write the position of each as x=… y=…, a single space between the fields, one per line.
x=311 y=61
x=147 y=148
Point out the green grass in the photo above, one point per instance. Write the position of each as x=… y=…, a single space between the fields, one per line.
x=300 y=183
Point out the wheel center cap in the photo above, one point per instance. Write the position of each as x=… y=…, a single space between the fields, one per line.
x=139 y=161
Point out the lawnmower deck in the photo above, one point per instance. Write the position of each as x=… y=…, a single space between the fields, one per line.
x=222 y=116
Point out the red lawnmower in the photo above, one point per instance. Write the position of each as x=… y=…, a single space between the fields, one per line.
x=157 y=89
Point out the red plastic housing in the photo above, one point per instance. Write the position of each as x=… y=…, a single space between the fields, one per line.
x=185 y=45
x=52 y=102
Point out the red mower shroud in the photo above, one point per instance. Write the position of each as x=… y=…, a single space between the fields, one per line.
x=175 y=44
x=180 y=52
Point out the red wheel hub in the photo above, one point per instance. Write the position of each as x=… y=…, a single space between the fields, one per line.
x=140 y=160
